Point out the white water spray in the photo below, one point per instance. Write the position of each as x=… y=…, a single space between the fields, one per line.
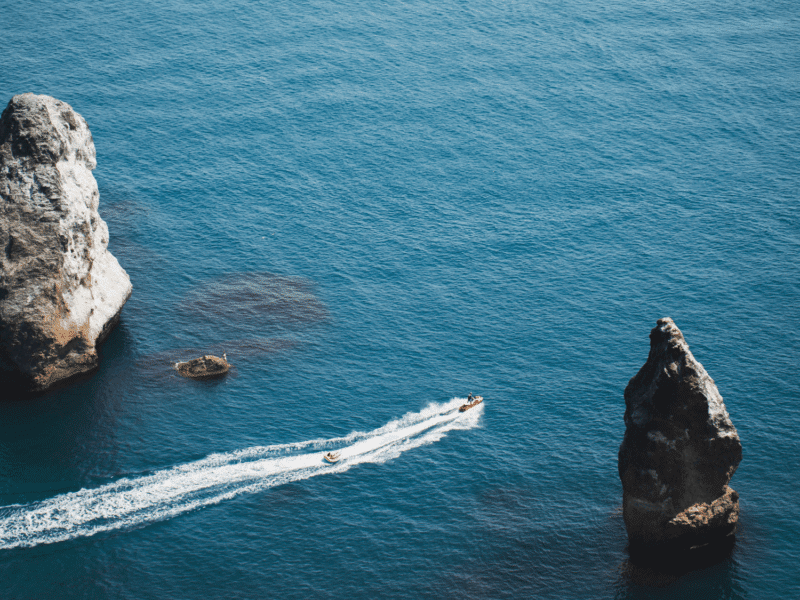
x=165 y=494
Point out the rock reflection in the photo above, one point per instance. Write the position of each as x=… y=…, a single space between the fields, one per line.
x=645 y=576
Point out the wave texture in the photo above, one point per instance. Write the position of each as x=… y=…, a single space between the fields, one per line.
x=134 y=502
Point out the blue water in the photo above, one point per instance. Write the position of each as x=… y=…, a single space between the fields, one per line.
x=375 y=208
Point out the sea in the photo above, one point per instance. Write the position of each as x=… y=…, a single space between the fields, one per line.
x=375 y=208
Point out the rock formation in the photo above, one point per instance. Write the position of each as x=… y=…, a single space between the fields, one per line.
x=61 y=290
x=205 y=367
x=678 y=455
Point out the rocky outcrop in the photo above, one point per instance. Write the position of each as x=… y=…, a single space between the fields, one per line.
x=677 y=457
x=61 y=290
x=205 y=367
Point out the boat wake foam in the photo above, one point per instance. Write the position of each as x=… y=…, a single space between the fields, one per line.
x=134 y=502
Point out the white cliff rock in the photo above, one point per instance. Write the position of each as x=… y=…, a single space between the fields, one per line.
x=61 y=290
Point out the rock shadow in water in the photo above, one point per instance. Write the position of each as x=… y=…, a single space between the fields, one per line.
x=659 y=571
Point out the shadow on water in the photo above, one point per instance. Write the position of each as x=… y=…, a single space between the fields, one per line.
x=114 y=348
x=716 y=582
x=56 y=441
x=706 y=574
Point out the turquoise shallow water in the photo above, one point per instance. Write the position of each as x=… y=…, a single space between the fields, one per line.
x=379 y=207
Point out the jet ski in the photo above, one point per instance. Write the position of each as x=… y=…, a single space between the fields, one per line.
x=475 y=401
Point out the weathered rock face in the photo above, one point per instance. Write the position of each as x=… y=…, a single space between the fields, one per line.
x=61 y=290
x=678 y=455
x=205 y=367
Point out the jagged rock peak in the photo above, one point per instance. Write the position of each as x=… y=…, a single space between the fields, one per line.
x=678 y=455
x=61 y=290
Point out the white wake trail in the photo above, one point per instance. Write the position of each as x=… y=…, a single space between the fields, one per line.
x=165 y=494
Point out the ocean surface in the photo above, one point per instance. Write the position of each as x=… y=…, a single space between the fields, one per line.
x=375 y=208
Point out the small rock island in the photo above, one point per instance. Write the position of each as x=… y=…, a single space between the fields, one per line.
x=678 y=455
x=61 y=290
x=205 y=367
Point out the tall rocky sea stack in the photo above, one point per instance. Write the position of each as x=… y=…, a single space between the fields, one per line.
x=678 y=455
x=61 y=290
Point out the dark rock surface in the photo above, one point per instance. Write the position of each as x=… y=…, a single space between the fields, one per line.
x=205 y=367
x=61 y=290
x=678 y=455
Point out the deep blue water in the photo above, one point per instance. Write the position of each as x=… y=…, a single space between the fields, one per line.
x=375 y=207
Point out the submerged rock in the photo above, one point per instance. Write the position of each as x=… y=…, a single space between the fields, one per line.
x=61 y=290
x=270 y=298
x=678 y=455
x=205 y=367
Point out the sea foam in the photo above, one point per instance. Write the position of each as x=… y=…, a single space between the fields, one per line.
x=133 y=502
